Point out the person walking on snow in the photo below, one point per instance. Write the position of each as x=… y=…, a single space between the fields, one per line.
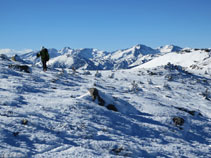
x=44 y=57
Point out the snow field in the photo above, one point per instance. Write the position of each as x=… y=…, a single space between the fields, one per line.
x=63 y=121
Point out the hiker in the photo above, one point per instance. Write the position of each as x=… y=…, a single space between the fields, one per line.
x=44 y=57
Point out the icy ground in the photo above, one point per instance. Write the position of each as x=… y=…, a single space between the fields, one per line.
x=51 y=114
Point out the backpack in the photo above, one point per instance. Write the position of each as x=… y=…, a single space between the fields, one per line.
x=47 y=55
x=44 y=54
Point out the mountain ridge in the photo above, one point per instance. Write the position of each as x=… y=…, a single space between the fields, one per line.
x=137 y=56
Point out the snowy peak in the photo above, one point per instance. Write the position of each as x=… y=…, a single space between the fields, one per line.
x=77 y=58
x=169 y=48
x=53 y=52
x=145 y=49
x=65 y=50
x=133 y=56
x=139 y=55
x=11 y=52
x=90 y=58
x=133 y=52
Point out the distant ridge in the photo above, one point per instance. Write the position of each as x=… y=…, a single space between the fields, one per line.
x=139 y=56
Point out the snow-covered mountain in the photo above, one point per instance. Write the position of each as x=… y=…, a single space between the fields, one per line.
x=91 y=59
x=137 y=56
x=132 y=56
x=159 y=111
x=11 y=52
x=86 y=58
x=169 y=48
x=193 y=61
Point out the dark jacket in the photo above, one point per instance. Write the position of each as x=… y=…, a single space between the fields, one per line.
x=44 y=55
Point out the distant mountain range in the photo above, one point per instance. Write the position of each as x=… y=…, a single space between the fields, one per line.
x=136 y=56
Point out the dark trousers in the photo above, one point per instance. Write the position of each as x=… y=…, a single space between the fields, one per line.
x=44 y=65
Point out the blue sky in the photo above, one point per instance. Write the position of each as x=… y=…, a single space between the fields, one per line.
x=104 y=24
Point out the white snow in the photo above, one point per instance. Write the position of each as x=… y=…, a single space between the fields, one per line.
x=169 y=48
x=63 y=121
x=186 y=60
x=92 y=59
x=11 y=52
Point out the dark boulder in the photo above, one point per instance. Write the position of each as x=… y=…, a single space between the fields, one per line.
x=4 y=57
x=94 y=93
x=100 y=100
x=117 y=151
x=17 y=58
x=191 y=112
x=23 y=68
x=15 y=134
x=111 y=107
x=24 y=122
x=178 y=121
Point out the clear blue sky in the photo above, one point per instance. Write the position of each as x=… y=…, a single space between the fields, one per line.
x=104 y=24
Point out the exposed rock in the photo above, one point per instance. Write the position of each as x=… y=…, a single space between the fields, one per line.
x=111 y=107
x=73 y=69
x=111 y=76
x=178 y=121
x=4 y=57
x=169 y=77
x=207 y=50
x=151 y=73
x=101 y=101
x=15 y=133
x=87 y=73
x=116 y=151
x=96 y=97
x=94 y=93
x=98 y=74
x=167 y=86
x=172 y=67
x=24 y=122
x=24 y=68
x=191 y=112
x=134 y=87
x=17 y=58
x=206 y=95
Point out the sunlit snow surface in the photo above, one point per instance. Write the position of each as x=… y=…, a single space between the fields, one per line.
x=63 y=121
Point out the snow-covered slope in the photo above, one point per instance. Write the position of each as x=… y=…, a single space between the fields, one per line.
x=194 y=61
x=169 y=48
x=51 y=114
